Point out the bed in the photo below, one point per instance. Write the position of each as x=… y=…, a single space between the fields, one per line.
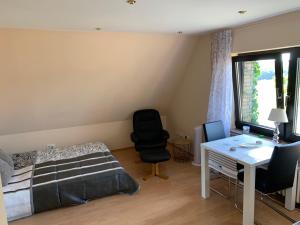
x=65 y=177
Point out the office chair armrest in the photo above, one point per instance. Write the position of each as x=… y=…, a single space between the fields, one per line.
x=166 y=135
x=134 y=137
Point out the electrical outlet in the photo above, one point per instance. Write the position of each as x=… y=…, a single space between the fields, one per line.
x=51 y=146
x=179 y=134
x=182 y=135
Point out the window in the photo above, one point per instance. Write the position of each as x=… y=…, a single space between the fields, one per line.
x=258 y=84
x=292 y=129
x=267 y=80
x=297 y=102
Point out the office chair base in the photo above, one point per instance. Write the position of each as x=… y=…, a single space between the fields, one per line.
x=155 y=173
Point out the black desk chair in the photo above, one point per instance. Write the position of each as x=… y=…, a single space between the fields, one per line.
x=148 y=132
x=280 y=173
x=215 y=131
x=150 y=139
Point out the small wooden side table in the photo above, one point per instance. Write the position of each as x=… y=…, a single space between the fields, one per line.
x=182 y=151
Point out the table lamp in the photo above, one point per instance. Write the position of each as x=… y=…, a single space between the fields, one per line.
x=278 y=116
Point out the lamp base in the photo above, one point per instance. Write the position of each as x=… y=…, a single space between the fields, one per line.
x=276 y=133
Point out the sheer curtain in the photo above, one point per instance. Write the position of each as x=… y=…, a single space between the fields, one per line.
x=221 y=93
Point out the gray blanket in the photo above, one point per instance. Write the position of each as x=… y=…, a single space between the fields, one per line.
x=74 y=181
x=64 y=177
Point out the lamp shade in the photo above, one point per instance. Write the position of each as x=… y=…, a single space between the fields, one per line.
x=278 y=115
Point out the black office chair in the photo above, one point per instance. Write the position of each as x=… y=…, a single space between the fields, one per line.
x=150 y=139
x=214 y=131
x=280 y=173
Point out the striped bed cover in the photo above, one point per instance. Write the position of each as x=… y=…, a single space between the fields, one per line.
x=72 y=181
x=17 y=194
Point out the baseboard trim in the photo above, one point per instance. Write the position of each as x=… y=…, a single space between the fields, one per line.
x=196 y=164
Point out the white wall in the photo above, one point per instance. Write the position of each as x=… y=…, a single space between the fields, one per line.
x=189 y=105
x=277 y=32
x=68 y=87
x=60 y=79
x=114 y=134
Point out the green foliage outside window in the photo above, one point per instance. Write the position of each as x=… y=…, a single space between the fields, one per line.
x=256 y=73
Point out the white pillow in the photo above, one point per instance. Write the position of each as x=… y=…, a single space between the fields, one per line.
x=5 y=157
x=6 y=171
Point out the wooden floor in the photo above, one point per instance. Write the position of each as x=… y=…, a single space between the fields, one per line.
x=176 y=201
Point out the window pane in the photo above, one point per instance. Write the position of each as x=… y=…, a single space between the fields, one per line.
x=285 y=67
x=297 y=101
x=258 y=91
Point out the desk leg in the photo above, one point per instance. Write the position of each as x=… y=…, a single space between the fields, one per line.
x=204 y=173
x=290 y=198
x=290 y=193
x=249 y=195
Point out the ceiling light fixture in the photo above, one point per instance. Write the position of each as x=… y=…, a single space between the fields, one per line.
x=131 y=2
x=242 y=12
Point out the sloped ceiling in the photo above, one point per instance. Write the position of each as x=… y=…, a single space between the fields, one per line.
x=54 y=79
x=189 y=16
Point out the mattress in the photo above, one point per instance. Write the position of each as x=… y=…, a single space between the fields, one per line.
x=66 y=177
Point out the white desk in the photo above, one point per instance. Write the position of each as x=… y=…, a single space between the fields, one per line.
x=250 y=158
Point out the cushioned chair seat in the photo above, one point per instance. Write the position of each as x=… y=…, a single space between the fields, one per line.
x=155 y=156
x=151 y=145
x=239 y=166
x=261 y=180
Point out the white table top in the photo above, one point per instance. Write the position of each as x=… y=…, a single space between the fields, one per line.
x=254 y=156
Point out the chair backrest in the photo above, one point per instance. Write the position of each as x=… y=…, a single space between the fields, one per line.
x=214 y=131
x=147 y=120
x=282 y=165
